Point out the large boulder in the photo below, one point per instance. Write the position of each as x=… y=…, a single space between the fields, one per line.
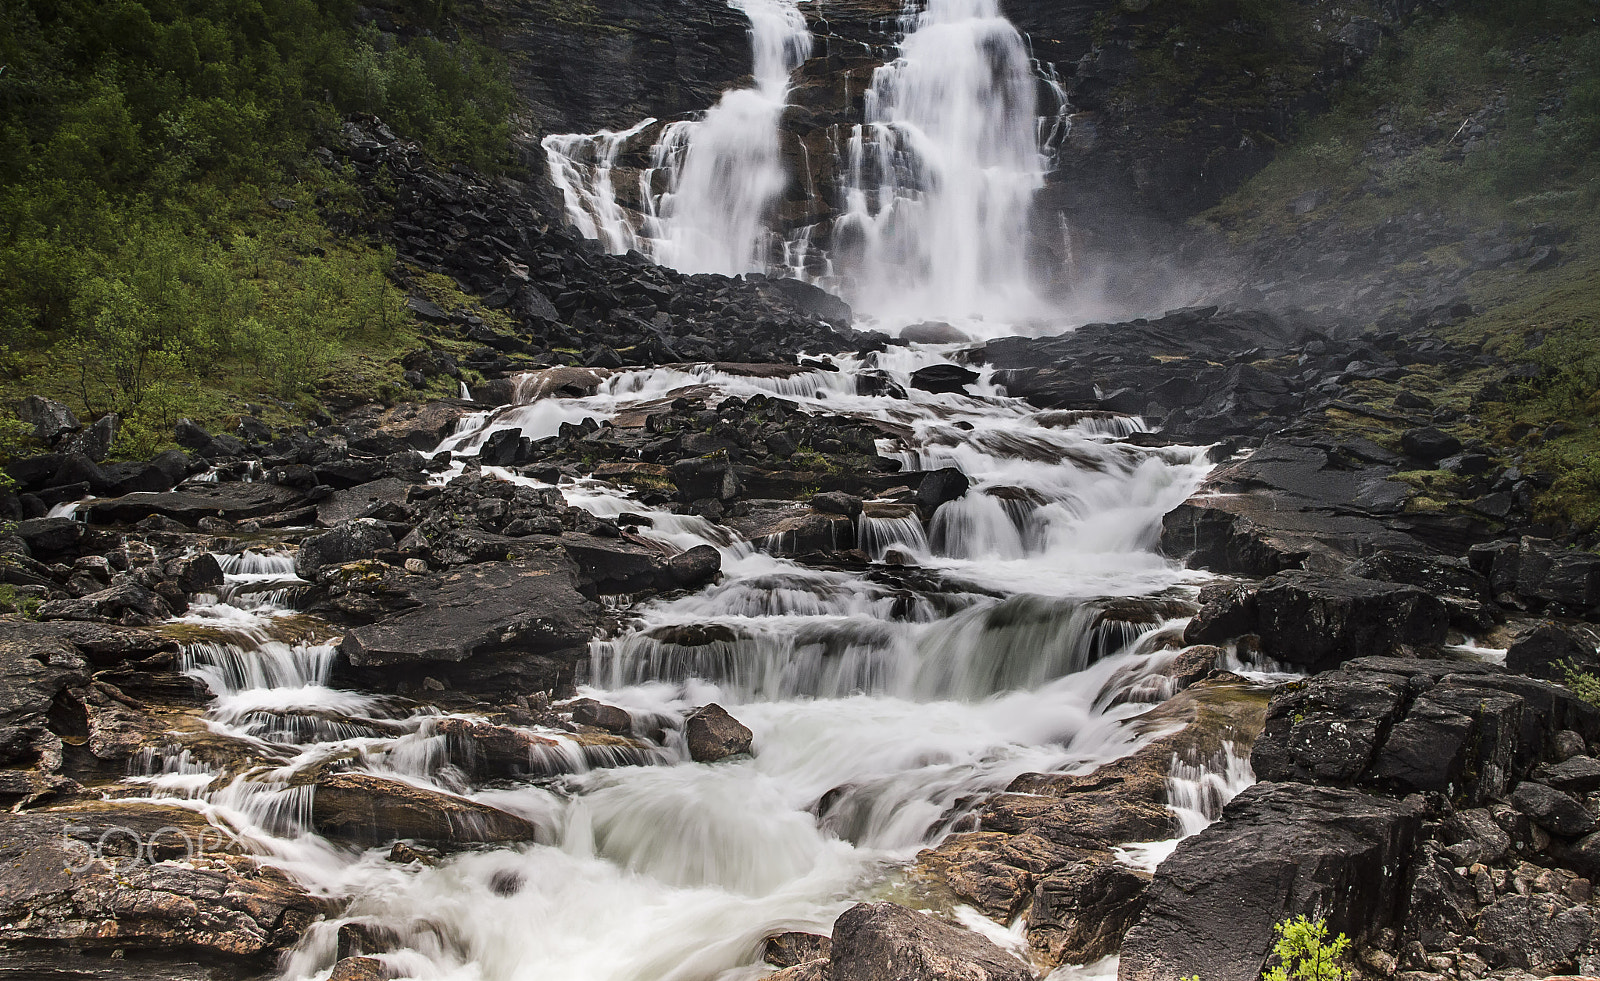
x=348 y=541
x=48 y=535
x=228 y=501
x=715 y=735
x=1546 y=650
x=1080 y=913
x=1402 y=725
x=617 y=565
x=943 y=379
x=127 y=603
x=368 y=810
x=524 y=620
x=50 y=419
x=1279 y=850
x=940 y=486
x=154 y=882
x=885 y=942
x=1318 y=621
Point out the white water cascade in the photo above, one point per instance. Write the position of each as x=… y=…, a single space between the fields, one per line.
x=942 y=173
x=936 y=183
x=721 y=175
x=884 y=706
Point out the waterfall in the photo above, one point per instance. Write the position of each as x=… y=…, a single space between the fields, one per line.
x=937 y=181
x=941 y=175
x=725 y=172
x=722 y=174
x=580 y=166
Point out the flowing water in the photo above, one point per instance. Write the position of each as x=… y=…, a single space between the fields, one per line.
x=936 y=182
x=941 y=174
x=883 y=705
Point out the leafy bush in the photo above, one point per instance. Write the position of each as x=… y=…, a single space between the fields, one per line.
x=1583 y=683
x=1304 y=953
x=140 y=144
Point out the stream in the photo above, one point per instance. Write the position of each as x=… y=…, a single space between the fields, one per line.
x=884 y=707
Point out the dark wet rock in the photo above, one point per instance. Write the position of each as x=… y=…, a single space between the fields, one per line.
x=943 y=378
x=195 y=573
x=35 y=671
x=1080 y=913
x=695 y=567
x=1539 y=575
x=1455 y=739
x=1303 y=504
x=793 y=947
x=1542 y=932
x=1428 y=444
x=885 y=942
x=1480 y=837
x=941 y=486
x=46 y=536
x=809 y=533
x=816 y=970
x=1575 y=774
x=1547 y=710
x=1558 y=813
x=228 y=501
x=1327 y=728
x=1436 y=573
x=127 y=603
x=588 y=712
x=837 y=502
x=95 y=441
x=1440 y=902
x=50 y=419
x=359 y=500
x=359 y=969
x=368 y=810
x=1280 y=849
x=99 y=644
x=714 y=735
x=73 y=879
x=1547 y=649
x=1319 y=621
x=521 y=620
x=422 y=427
x=487 y=751
x=706 y=477
x=613 y=566
x=348 y=541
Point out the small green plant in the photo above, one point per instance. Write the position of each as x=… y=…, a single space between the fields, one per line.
x=1584 y=684
x=1305 y=954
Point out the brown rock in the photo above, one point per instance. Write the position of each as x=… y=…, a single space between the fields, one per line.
x=713 y=734
x=885 y=942
x=369 y=810
x=793 y=948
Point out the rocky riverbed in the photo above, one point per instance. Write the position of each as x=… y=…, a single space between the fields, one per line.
x=760 y=639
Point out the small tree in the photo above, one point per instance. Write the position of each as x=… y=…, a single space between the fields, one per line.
x=1304 y=954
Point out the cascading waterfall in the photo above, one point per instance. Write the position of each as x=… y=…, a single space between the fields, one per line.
x=722 y=174
x=937 y=182
x=942 y=174
x=883 y=710
x=725 y=172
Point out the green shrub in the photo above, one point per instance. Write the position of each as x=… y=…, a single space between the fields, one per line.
x=1304 y=953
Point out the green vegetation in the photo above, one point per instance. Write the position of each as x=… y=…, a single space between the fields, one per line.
x=1200 y=56
x=1304 y=952
x=1528 y=71
x=1583 y=683
x=1400 y=141
x=165 y=239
